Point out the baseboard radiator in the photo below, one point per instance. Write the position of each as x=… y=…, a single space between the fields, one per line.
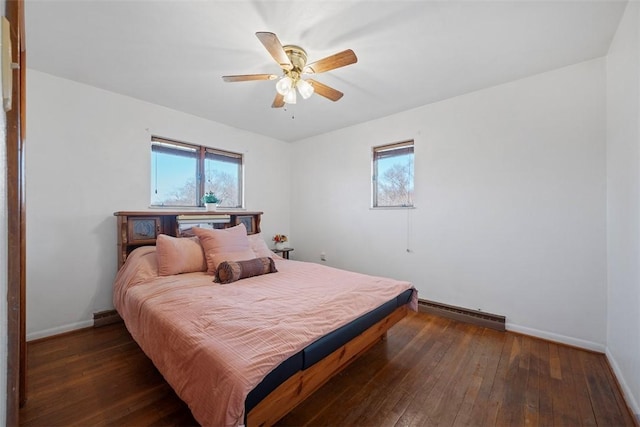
x=104 y=318
x=475 y=317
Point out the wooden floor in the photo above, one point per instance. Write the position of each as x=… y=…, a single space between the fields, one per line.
x=429 y=371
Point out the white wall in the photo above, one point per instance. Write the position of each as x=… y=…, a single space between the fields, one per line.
x=623 y=205
x=88 y=156
x=510 y=203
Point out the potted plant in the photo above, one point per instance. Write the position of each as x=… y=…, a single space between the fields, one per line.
x=210 y=201
x=280 y=241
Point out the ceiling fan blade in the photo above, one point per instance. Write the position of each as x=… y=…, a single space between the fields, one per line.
x=249 y=77
x=278 y=101
x=341 y=59
x=326 y=91
x=273 y=45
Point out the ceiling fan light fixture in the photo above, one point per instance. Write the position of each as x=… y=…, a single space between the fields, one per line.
x=305 y=88
x=290 y=97
x=284 y=85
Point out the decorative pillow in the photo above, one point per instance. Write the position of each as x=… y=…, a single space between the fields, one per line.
x=230 y=271
x=260 y=247
x=178 y=255
x=218 y=257
x=228 y=240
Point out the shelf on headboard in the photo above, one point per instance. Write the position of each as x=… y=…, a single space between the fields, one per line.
x=140 y=228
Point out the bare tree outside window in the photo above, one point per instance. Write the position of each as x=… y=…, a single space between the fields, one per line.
x=393 y=175
x=183 y=196
x=224 y=186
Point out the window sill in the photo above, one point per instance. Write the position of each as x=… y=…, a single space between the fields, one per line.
x=390 y=208
x=194 y=208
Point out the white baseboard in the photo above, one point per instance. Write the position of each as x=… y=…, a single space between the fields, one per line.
x=626 y=391
x=563 y=339
x=59 y=330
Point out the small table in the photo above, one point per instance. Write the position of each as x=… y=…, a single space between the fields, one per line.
x=284 y=252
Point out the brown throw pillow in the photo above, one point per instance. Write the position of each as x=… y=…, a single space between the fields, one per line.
x=230 y=271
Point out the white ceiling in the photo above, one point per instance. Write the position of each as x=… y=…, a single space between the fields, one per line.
x=410 y=53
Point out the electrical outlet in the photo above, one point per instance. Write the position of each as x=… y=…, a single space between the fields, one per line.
x=323 y=256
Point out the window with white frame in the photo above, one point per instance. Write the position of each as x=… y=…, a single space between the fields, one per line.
x=182 y=173
x=392 y=182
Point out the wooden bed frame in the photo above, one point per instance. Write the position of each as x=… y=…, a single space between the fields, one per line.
x=302 y=384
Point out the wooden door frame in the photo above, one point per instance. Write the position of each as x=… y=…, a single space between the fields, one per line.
x=16 y=221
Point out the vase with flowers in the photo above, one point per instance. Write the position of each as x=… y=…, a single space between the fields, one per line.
x=281 y=241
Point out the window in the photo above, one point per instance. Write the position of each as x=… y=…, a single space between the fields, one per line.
x=181 y=173
x=392 y=182
x=174 y=174
x=223 y=176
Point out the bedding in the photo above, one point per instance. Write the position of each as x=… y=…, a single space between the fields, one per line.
x=215 y=343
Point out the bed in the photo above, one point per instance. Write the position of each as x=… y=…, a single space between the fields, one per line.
x=249 y=351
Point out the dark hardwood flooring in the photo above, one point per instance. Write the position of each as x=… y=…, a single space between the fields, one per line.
x=429 y=371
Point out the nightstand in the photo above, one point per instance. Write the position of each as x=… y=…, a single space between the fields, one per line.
x=283 y=252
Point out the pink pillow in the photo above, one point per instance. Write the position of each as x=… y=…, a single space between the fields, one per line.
x=259 y=246
x=178 y=255
x=228 y=240
x=220 y=257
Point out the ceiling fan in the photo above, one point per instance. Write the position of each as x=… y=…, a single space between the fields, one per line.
x=293 y=61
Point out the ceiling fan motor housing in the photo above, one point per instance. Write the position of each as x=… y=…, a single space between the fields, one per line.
x=297 y=56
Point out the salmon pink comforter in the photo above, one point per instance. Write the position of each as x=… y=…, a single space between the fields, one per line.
x=214 y=343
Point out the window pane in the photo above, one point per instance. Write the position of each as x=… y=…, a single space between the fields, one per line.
x=173 y=176
x=393 y=176
x=223 y=176
x=182 y=173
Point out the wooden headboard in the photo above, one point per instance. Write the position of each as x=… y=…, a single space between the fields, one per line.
x=140 y=228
